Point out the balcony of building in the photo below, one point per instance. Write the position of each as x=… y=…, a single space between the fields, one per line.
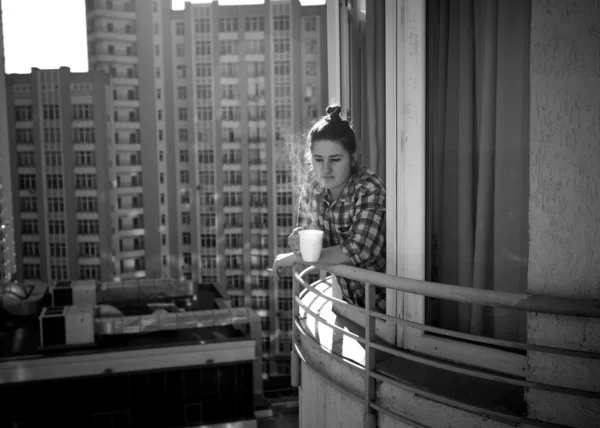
x=539 y=365
x=346 y=356
x=106 y=9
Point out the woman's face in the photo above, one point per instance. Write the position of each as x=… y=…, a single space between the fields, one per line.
x=332 y=165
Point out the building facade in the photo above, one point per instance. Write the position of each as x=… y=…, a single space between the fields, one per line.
x=58 y=169
x=7 y=250
x=205 y=100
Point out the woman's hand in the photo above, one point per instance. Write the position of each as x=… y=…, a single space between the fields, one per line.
x=282 y=261
x=294 y=241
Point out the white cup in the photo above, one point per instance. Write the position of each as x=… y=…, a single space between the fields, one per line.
x=311 y=243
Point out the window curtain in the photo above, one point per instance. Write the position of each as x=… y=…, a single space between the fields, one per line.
x=478 y=156
x=374 y=88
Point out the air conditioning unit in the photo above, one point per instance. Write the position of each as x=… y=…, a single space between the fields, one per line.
x=74 y=293
x=66 y=325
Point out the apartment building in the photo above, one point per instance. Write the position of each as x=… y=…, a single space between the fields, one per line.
x=59 y=130
x=7 y=250
x=204 y=101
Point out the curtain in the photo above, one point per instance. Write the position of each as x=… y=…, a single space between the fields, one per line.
x=374 y=88
x=478 y=152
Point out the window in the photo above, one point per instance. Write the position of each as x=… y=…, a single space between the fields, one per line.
x=183 y=134
x=31 y=249
x=86 y=203
x=23 y=113
x=28 y=203
x=184 y=177
x=284 y=220
x=52 y=135
x=203 y=69
x=84 y=135
x=24 y=136
x=282 y=68
x=26 y=159
x=88 y=249
x=27 y=181
x=87 y=227
x=88 y=271
x=204 y=92
x=229 y=69
x=228 y=47
x=207 y=219
x=208 y=241
x=29 y=227
x=260 y=302
x=206 y=156
x=179 y=28
x=185 y=197
x=54 y=181
x=202 y=25
x=183 y=156
x=31 y=271
x=206 y=177
x=284 y=304
x=179 y=49
x=85 y=181
x=185 y=217
x=310 y=24
x=56 y=205
x=228 y=24
x=229 y=91
x=181 y=71
x=281 y=23
x=310 y=46
x=56 y=227
x=51 y=112
x=182 y=113
x=281 y=45
x=181 y=93
x=58 y=272
x=204 y=113
x=255 y=23
x=83 y=112
x=84 y=158
x=203 y=48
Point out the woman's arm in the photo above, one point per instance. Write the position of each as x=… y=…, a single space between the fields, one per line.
x=334 y=256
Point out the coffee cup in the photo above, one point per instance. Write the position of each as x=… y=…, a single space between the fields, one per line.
x=311 y=243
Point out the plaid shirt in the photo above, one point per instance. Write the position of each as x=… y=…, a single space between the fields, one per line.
x=356 y=222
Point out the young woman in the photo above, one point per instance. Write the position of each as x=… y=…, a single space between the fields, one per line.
x=346 y=202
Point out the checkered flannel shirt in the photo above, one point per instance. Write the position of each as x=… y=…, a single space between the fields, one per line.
x=356 y=222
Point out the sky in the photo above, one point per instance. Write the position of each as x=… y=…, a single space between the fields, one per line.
x=51 y=33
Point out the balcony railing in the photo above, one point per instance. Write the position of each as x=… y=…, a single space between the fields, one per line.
x=589 y=308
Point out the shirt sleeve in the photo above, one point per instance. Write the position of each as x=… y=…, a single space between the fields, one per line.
x=367 y=241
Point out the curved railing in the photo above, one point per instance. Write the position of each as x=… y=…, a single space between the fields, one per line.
x=589 y=308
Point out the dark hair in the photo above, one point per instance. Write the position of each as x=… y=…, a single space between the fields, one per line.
x=334 y=128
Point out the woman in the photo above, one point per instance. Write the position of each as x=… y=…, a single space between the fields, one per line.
x=346 y=202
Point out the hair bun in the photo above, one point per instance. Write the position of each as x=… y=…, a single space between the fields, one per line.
x=334 y=111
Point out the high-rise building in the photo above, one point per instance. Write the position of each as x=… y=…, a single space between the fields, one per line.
x=58 y=130
x=7 y=250
x=204 y=101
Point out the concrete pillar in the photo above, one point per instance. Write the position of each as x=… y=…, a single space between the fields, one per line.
x=564 y=202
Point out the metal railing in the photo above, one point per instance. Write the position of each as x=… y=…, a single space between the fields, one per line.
x=588 y=308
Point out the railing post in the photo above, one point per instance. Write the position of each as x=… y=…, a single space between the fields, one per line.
x=295 y=360
x=370 y=420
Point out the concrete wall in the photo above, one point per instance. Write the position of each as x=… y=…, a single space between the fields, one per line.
x=565 y=201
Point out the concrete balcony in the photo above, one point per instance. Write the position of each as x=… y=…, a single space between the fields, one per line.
x=117 y=13
x=112 y=35
x=124 y=80
x=350 y=376
x=126 y=103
